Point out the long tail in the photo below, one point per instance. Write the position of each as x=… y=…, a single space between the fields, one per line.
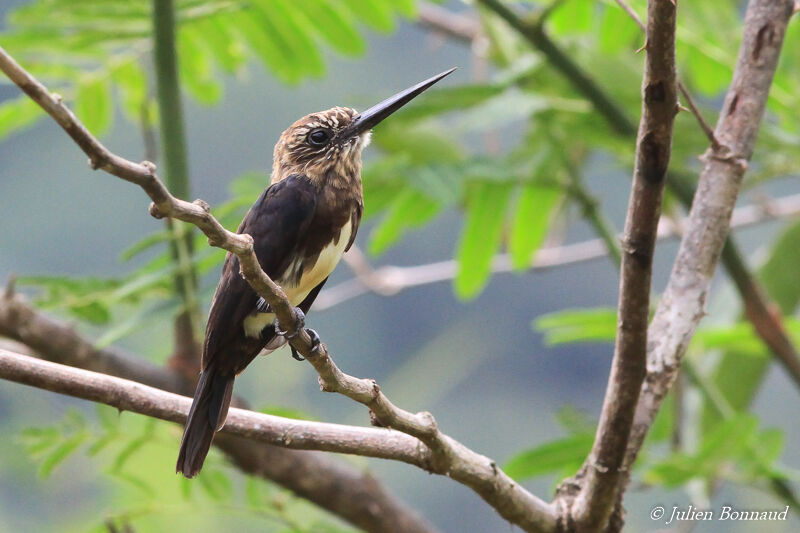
x=207 y=416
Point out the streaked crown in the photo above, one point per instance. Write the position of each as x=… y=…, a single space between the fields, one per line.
x=315 y=147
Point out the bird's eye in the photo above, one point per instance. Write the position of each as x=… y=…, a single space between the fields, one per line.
x=319 y=137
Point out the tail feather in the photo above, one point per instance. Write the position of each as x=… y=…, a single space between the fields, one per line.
x=207 y=416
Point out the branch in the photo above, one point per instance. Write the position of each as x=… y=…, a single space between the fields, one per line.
x=448 y=457
x=580 y=79
x=603 y=468
x=137 y=398
x=341 y=489
x=391 y=279
x=681 y=306
x=757 y=304
x=454 y=25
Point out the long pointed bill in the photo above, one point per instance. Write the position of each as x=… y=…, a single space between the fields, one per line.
x=375 y=114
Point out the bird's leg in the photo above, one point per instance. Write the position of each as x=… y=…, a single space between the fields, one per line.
x=301 y=322
x=315 y=341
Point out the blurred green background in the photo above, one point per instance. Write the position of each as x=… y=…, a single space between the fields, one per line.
x=466 y=353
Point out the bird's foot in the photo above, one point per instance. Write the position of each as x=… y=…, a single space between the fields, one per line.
x=315 y=342
x=300 y=324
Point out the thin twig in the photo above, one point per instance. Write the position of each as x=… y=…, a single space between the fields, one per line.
x=448 y=457
x=699 y=116
x=391 y=279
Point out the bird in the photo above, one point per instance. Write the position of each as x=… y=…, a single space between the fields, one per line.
x=301 y=226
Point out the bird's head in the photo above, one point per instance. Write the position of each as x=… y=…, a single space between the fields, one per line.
x=326 y=146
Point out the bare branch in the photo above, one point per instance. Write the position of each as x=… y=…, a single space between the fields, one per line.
x=599 y=478
x=460 y=27
x=682 y=304
x=448 y=457
x=341 y=489
x=391 y=279
x=137 y=398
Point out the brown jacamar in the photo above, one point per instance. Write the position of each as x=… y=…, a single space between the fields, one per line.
x=301 y=225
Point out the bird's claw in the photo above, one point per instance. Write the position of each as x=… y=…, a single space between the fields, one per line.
x=299 y=324
x=315 y=342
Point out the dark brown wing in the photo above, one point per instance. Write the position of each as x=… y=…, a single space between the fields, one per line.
x=277 y=222
x=355 y=220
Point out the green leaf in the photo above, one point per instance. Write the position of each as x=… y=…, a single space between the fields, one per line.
x=134 y=446
x=578 y=325
x=664 y=425
x=38 y=439
x=293 y=31
x=481 y=235
x=420 y=143
x=216 y=34
x=93 y=103
x=449 y=99
x=60 y=453
x=375 y=13
x=132 y=84
x=335 y=25
x=407 y=8
x=574 y=421
x=531 y=221
x=286 y=412
x=18 y=114
x=195 y=67
x=143 y=245
x=562 y=454
x=95 y=312
x=727 y=441
x=109 y=417
x=252 y=27
x=618 y=31
x=574 y=18
x=410 y=209
x=216 y=484
x=779 y=274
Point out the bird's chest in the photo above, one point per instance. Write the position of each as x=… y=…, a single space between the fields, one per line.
x=309 y=265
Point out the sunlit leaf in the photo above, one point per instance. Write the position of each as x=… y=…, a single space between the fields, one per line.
x=531 y=220
x=18 y=114
x=194 y=62
x=481 y=236
x=334 y=24
x=61 y=452
x=554 y=456
x=410 y=209
x=578 y=325
x=94 y=104
x=375 y=13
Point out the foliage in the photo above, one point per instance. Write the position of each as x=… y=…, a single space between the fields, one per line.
x=499 y=151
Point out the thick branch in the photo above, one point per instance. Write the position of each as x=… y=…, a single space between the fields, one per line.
x=341 y=489
x=603 y=469
x=449 y=457
x=681 y=306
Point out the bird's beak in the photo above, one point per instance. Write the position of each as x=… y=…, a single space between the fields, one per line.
x=371 y=117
